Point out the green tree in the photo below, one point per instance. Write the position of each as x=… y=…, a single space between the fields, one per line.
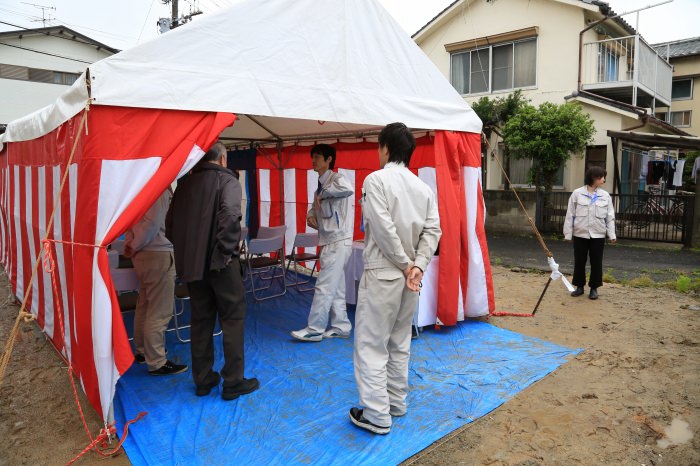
x=548 y=135
x=495 y=113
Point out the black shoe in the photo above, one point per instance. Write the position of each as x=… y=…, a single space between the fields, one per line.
x=204 y=390
x=243 y=387
x=358 y=419
x=594 y=294
x=141 y=359
x=577 y=292
x=169 y=368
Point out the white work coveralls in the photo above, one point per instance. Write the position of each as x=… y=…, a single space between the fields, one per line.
x=402 y=227
x=330 y=208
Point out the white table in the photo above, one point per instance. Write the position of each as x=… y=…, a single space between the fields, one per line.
x=124 y=279
x=427 y=302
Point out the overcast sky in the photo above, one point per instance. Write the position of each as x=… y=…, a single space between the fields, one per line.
x=124 y=23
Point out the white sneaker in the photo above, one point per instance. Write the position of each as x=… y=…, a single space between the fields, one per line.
x=305 y=335
x=332 y=333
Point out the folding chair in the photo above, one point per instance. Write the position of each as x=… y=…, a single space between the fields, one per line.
x=265 y=254
x=182 y=295
x=303 y=240
x=266 y=233
x=244 y=239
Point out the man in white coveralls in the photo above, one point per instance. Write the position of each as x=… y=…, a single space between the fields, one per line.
x=329 y=214
x=402 y=230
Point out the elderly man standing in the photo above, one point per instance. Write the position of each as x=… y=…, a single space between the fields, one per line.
x=204 y=224
x=329 y=214
x=402 y=230
x=152 y=256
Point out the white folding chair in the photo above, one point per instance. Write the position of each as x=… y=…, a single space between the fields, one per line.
x=303 y=240
x=266 y=233
x=265 y=255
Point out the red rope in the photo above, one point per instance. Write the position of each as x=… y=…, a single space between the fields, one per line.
x=107 y=432
x=513 y=314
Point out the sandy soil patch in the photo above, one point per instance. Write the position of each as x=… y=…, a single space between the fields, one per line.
x=632 y=397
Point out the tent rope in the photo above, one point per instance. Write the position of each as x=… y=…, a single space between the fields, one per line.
x=550 y=257
x=109 y=431
x=49 y=266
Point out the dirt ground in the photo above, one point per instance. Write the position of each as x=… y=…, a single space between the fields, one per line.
x=634 y=389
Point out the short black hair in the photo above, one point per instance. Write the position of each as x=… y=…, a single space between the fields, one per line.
x=594 y=173
x=216 y=151
x=399 y=141
x=326 y=150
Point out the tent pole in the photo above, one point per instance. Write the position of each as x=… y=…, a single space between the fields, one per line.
x=280 y=167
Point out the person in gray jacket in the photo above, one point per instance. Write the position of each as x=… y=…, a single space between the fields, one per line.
x=330 y=215
x=152 y=255
x=402 y=230
x=590 y=216
x=204 y=224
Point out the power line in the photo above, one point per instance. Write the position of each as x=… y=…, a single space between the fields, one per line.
x=46 y=53
x=47 y=33
x=145 y=20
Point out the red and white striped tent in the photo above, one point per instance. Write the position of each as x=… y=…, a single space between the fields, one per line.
x=277 y=70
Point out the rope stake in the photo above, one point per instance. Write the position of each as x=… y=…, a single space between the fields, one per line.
x=553 y=266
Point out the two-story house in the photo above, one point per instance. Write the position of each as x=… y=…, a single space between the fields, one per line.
x=684 y=56
x=36 y=65
x=558 y=51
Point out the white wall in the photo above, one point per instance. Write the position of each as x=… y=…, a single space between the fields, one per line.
x=22 y=97
x=559 y=23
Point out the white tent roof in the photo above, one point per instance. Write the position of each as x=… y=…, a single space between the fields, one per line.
x=297 y=67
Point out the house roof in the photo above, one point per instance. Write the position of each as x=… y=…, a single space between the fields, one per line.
x=603 y=7
x=641 y=113
x=654 y=140
x=679 y=48
x=61 y=32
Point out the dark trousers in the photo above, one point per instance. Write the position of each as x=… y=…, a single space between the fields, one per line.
x=583 y=249
x=220 y=293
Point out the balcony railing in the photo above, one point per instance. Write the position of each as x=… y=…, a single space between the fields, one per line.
x=626 y=69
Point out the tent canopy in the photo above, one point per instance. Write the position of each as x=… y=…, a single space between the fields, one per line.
x=287 y=69
x=296 y=67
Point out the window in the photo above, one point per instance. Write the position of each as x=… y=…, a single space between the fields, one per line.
x=37 y=75
x=495 y=68
x=608 y=64
x=682 y=89
x=680 y=119
x=519 y=172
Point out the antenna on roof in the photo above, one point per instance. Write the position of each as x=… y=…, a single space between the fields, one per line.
x=44 y=17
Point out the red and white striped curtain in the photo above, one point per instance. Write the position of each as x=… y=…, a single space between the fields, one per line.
x=450 y=163
x=123 y=161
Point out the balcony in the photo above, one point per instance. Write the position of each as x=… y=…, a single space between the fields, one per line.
x=628 y=70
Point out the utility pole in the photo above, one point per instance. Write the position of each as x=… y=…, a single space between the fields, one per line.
x=167 y=24
x=174 y=15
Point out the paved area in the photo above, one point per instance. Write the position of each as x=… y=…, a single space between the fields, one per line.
x=625 y=260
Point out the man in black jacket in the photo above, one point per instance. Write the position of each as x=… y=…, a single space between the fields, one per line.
x=204 y=225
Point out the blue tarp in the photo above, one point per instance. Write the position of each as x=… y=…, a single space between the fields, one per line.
x=300 y=413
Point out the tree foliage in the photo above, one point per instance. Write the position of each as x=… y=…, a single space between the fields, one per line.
x=549 y=135
x=494 y=113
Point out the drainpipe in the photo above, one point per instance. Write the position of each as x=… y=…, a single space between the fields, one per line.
x=644 y=118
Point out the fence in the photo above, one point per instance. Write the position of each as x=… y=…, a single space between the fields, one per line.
x=644 y=216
